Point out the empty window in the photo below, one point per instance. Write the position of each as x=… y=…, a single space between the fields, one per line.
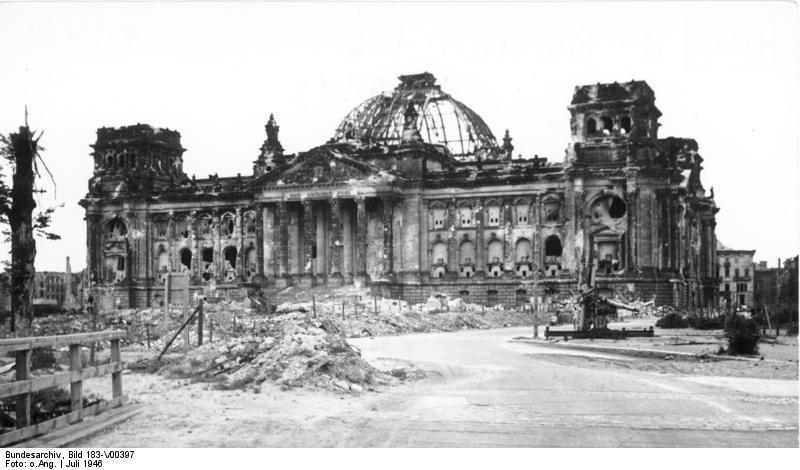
x=552 y=211
x=591 y=126
x=464 y=294
x=117 y=228
x=625 y=125
x=251 y=225
x=228 y=226
x=318 y=172
x=617 y=208
x=230 y=257
x=186 y=258
x=608 y=125
x=727 y=287
x=552 y=246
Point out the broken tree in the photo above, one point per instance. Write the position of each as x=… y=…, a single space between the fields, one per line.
x=20 y=150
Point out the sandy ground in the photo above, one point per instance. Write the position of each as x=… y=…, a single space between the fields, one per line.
x=482 y=390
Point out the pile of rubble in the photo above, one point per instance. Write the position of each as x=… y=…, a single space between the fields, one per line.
x=291 y=352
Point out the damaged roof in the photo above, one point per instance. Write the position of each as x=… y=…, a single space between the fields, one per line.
x=442 y=120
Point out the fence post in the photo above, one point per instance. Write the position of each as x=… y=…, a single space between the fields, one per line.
x=342 y=310
x=211 y=329
x=199 y=324
x=375 y=301
x=94 y=328
x=76 y=386
x=166 y=302
x=314 y=305
x=147 y=333
x=23 y=367
x=116 y=376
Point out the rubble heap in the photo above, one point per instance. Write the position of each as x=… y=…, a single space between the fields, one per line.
x=295 y=352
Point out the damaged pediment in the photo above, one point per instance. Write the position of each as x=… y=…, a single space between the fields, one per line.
x=323 y=166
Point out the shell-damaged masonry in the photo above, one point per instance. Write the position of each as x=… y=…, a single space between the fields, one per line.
x=413 y=196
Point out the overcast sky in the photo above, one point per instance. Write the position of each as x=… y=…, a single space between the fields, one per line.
x=725 y=74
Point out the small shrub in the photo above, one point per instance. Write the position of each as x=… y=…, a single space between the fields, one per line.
x=742 y=334
x=672 y=320
x=707 y=323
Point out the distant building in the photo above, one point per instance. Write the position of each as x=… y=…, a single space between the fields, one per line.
x=775 y=289
x=50 y=288
x=736 y=276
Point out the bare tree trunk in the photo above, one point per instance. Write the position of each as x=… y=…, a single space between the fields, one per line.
x=23 y=246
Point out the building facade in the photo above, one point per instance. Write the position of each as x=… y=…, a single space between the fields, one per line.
x=737 y=276
x=775 y=291
x=414 y=196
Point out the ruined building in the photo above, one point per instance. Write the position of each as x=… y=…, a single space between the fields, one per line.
x=414 y=196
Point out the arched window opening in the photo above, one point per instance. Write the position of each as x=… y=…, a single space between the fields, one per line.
x=163 y=262
x=495 y=258
x=228 y=226
x=591 y=126
x=229 y=254
x=524 y=267
x=207 y=255
x=117 y=228
x=625 y=125
x=186 y=259
x=439 y=255
x=251 y=263
x=552 y=246
x=608 y=125
x=552 y=256
x=466 y=257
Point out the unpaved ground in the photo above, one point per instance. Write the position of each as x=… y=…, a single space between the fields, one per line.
x=782 y=350
x=482 y=390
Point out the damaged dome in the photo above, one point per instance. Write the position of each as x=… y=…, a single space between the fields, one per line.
x=442 y=120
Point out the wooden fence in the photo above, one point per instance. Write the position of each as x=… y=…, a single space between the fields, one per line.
x=25 y=384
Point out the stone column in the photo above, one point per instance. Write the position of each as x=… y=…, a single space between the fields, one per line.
x=336 y=241
x=388 y=228
x=452 y=239
x=361 y=237
x=173 y=263
x=283 y=241
x=309 y=237
x=219 y=275
x=480 y=248
x=259 y=221
x=238 y=239
x=191 y=224
x=632 y=261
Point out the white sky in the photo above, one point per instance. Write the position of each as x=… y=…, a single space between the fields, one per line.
x=725 y=74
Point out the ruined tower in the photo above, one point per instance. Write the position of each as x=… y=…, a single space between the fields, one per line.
x=138 y=158
x=271 y=151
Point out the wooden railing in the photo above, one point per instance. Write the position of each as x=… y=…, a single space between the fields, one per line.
x=25 y=384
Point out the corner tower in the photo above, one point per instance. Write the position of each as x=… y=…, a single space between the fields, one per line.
x=132 y=159
x=610 y=122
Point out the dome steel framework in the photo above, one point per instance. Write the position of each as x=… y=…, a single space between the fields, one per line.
x=442 y=119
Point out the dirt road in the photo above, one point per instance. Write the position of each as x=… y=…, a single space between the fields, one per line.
x=483 y=391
